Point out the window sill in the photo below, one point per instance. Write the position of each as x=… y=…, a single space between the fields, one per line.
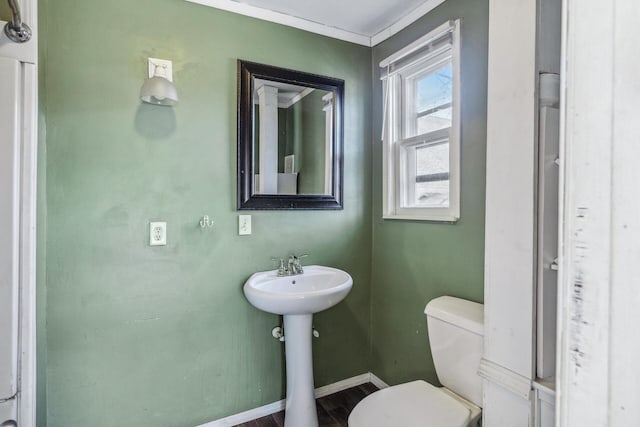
x=431 y=218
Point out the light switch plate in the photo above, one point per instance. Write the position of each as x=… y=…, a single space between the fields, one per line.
x=158 y=233
x=244 y=225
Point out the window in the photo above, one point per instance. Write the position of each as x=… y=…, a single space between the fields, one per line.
x=421 y=130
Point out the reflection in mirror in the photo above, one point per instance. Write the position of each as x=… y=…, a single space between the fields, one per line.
x=293 y=138
x=289 y=139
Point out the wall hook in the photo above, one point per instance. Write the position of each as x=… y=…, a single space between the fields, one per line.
x=206 y=223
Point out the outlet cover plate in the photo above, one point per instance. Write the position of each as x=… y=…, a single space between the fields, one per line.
x=158 y=233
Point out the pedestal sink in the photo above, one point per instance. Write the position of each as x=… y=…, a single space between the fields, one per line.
x=297 y=298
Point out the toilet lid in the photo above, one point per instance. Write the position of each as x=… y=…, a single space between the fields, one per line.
x=414 y=404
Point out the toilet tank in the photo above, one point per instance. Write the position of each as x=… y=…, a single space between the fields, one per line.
x=456 y=331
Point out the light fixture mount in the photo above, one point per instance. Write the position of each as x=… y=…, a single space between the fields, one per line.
x=158 y=89
x=156 y=64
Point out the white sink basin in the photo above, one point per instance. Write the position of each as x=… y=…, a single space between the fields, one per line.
x=317 y=289
x=297 y=298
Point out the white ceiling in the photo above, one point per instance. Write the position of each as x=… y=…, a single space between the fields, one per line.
x=366 y=22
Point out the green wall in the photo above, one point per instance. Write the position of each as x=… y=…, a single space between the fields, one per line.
x=41 y=227
x=5 y=11
x=416 y=261
x=163 y=336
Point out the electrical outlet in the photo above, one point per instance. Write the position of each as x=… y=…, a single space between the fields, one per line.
x=244 y=225
x=158 y=233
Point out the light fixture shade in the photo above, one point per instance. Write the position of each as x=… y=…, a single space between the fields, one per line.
x=159 y=91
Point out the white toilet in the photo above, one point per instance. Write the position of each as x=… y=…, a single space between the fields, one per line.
x=455 y=334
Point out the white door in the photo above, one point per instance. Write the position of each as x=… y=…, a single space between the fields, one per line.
x=10 y=88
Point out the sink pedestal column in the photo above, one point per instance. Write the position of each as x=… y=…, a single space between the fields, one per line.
x=300 y=410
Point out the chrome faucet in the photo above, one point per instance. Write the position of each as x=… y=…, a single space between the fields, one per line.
x=293 y=266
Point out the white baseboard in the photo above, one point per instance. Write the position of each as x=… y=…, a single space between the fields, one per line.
x=278 y=406
x=377 y=381
x=342 y=385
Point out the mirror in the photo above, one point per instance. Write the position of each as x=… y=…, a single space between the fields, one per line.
x=290 y=139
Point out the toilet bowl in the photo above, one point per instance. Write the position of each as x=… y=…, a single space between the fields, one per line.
x=456 y=336
x=414 y=404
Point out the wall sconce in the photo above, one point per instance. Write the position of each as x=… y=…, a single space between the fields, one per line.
x=158 y=89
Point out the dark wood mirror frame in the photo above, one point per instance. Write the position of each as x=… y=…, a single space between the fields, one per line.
x=246 y=200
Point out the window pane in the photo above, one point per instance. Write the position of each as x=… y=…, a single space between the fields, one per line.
x=432 y=194
x=440 y=119
x=432 y=176
x=434 y=89
x=432 y=159
x=429 y=101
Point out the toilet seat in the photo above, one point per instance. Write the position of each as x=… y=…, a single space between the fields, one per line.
x=413 y=404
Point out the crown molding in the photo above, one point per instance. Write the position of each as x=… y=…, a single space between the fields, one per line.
x=318 y=28
x=405 y=21
x=284 y=19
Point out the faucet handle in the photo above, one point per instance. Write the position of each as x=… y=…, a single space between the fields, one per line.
x=295 y=265
x=281 y=268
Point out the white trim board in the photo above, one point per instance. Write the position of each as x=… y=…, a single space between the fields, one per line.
x=598 y=373
x=505 y=378
x=278 y=406
x=322 y=29
x=27 y=55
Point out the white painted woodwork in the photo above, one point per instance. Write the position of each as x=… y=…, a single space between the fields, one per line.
x=511 y=174
x=544 y=405
x=510 y=224
x=505 y=378
x=268 y=146
x=365 y=22
x=599 y=372
x=10 y=98
x=18 y=90
x=501 y=408
x=28 y=189
x=18 y=165
x=439 y=45
x=521 y=212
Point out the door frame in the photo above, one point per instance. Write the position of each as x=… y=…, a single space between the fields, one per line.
x=27 y=55
x=598 y=301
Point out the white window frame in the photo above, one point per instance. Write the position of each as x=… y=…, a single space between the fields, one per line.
x=394 y=187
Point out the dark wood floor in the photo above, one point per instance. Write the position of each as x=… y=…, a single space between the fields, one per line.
x=333 y=410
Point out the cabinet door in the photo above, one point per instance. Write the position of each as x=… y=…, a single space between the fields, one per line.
x=10 y=90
